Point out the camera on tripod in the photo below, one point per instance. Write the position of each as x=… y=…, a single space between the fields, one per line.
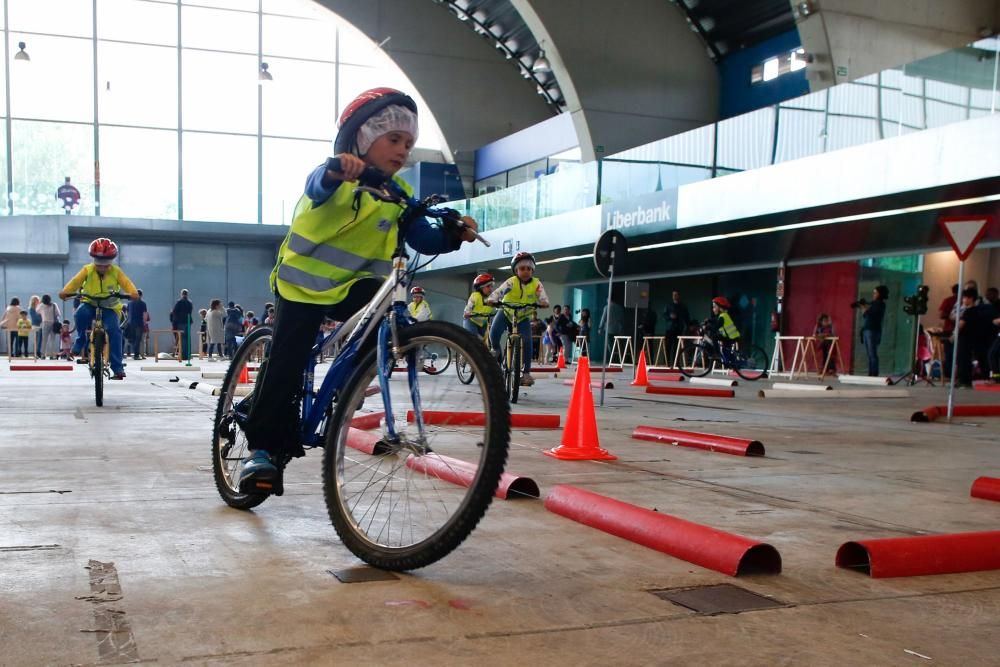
x=916 y=304
x=858 y=303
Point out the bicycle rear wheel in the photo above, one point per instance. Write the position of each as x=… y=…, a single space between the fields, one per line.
x=434 y=358
x=696 y=360
x=514 y=364
x=97 y=365
x=464 y=369
x=229 y=442
x=751 y=363
x=410 y=502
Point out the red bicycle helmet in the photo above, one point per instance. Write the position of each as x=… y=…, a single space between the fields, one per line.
x=416 y=291
x=482 y=280
x=363 y=107
x=721 y=302
x=519 y=257
x=103 y=250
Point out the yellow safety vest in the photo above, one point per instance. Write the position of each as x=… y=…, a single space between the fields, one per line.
x=415 y=309
x=91 y=283
x=522 y=293
x=329 y=247
x=727 y=328
x=480 y=310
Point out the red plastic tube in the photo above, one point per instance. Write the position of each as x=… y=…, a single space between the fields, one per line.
x=702 y=545
x=369 y=421
x=462 y=473
x=938 y=411
x=546 y=369
x=709 y=441
x=479 y=419
x=598 y=369
x=922 y=555
x=41 y=368
x=665 y=377
x=987 y=488
x=365 y=441
x=595 y=384
x=690 y=391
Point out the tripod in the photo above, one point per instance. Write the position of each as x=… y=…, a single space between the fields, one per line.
x=914 y=375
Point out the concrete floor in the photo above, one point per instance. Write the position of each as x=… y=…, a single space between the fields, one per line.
x=200 y=583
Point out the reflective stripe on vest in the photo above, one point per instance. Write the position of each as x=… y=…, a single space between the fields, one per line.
x=526 y=293
x=330 y=246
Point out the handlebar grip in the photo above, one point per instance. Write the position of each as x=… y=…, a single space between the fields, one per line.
x=371 y=176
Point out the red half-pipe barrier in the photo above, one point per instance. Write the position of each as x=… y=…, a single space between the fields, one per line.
x=441 y=417
x=922 y=555
x=709 y=441
x=665 y=377
x=595 y=384
x=690 y=391
x=938 y=411
x=987 y=488
x=708 y=547
x=368 y=421
x=368 y=442
x=462 y=473
x=986 y=386
x=47 y=367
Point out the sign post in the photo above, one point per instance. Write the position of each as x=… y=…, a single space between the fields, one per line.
x=609 y=255
x=963 y=233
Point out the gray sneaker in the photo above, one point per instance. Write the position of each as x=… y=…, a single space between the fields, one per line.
x=527 y=380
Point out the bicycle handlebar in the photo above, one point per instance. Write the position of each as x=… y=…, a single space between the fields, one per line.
x=382 y=187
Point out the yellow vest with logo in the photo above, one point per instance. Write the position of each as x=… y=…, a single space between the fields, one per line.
x=329 y=247
x=480 y=310
x=414 y=310
x=99 y=286
x=522 y=293
x=727 y=328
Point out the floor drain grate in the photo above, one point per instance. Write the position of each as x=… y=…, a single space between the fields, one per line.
x=718 y=599
x=359 y=575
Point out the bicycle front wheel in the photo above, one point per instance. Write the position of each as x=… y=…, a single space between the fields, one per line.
x=751 y=364
x=97 y=366
x=405 y=503
x=435 y=358
x=514 y=364
x=696 y=360
x=464 y=369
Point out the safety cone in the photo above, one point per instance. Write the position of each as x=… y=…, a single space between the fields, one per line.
x=561 y=360
x=579 y=440
x=245 y=376
x=640 y=372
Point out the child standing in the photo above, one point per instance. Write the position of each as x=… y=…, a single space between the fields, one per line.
x=23 y=333
x=66 y=341
x=823 y=332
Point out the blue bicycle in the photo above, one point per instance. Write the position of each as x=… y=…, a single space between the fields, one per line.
x=408 y=494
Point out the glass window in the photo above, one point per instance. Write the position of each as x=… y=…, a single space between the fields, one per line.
x=845 y=131
x=220 y=177
x=745 y=141
x=287 y=163
x=58 y=83
x=984 y=99
x=939 y=113
x=54 y=17
x=304 y=8
x=491 y=184
x=219 y=29
x=219 y=91
x=947 y=92
x=354 y=79
x=43 y=155
x=286 y=112
x=526 y=172
x=299 y=38
x=3 y=168
x=137 y=85
x=240 y=5
x=800 y=134
x=624 y=180
x=815 y=100
x=137 y=21
x=355 y=47
x=138 y=172
x=853 y=99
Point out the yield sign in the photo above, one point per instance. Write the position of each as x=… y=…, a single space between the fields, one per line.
x=964 y=232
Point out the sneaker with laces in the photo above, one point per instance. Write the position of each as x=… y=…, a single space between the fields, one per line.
x=118 y=376
x=260 y=475
x=527 y=380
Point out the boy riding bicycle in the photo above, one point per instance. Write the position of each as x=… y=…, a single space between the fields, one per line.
x=98 y=280
x=337 y=253
x=721 y=330
x=521 y=288
x=477 y=312
x=418 y=307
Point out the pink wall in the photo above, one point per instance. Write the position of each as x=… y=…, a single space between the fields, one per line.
x=821 y=288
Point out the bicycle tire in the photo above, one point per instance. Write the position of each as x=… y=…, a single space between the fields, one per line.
x=97 y=357
x=515 y=371
x=437 y=368
x=464 y=370
x=694 y=361
x=365 y=494
x=752 y=364
x=229 y=443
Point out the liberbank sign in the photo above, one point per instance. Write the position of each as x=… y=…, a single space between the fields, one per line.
x=654 y=212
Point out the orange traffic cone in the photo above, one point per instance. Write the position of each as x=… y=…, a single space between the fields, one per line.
x=245 y=376
x=561 y=360
x=640 y=372
x=580 y=441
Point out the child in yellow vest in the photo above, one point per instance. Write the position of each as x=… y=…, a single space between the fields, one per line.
x=418 y=307
x=477 y=312
x=521 y=288
x=23 y=334
x=337 y=253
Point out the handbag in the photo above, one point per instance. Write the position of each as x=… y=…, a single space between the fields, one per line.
x=56 y=326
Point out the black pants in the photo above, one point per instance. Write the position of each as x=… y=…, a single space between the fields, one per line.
x=274 y=416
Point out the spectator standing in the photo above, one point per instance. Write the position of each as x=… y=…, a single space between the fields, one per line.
x=68 y=195
x=23 y=334
x=8 y=323
x=138 y=321
x=51 y=326
x=36 y=323
x=678 y=318
x=567 y=332
x=975 y=334
x=216 y=331
x=180 y=320
x=871 y=327
x=993 y=297
x=823 y=332
x=947 y=313
x=233 y=327
x=203 y=330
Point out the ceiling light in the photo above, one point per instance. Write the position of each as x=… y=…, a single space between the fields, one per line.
x=542 y=64
x=22 y=54
x=264 y=76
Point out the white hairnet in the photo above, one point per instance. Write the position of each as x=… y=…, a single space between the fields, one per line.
x=391 y=119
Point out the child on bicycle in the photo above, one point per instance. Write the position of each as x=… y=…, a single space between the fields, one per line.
x=521 y=288
x=477 y=312
x=418 y=307
x=98 y=280
x=721 y=330
x=337 y=253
